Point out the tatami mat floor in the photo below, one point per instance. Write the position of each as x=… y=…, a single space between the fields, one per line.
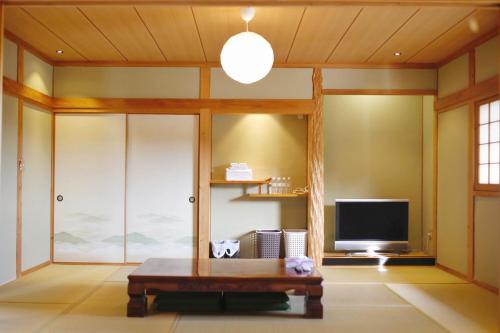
x=72 y=298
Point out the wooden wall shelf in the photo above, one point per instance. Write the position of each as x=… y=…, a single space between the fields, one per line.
x=258 y=182
x=240 y=182
x=276 y=196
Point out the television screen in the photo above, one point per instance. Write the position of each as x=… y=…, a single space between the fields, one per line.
x=374 y=220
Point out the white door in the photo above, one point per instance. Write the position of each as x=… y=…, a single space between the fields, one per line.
x=161 y=177
x=89 y=205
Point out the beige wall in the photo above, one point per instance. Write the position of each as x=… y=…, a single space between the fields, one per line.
x=487 y=63
x=427 y=173
x=8 y=188
x=373 y=149
x=10 y=60
x=272 y=146
x=350 y=78
x=486 y=228
x=37 y=74
x=452 y=210
x=454 y=76
x=285 y=83
x=130 y=82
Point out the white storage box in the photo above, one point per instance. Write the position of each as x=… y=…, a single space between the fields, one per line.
x=239 y=174
x=295 y=243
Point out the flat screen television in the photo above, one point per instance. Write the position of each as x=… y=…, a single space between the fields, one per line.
x=371 y=224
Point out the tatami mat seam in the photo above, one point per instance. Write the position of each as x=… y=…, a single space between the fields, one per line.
x=70 y=307
x=415 y=306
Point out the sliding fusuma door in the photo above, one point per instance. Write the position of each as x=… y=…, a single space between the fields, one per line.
x=161 y=186
x=89 y=205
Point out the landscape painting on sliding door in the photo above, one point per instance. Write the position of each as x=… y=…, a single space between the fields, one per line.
x=161 y=177
x=89 y=201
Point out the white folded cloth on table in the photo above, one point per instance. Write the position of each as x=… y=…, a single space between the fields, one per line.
x=300 y=264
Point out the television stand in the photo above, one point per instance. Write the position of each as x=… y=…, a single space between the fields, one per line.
x=376 y=253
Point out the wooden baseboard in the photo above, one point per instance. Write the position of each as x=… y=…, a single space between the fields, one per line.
x=464 y=277
x=35 y=268
x=453 y=272
x=486 y=286
x=96 y=263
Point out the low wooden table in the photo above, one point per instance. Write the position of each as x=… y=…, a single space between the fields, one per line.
x=221 y=275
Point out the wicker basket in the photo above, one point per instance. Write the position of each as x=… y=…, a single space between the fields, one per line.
x=268 y=243
x=295 y=242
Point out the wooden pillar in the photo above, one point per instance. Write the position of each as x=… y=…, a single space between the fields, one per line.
x=205 y=167
x=315 y=179
x=2 y=9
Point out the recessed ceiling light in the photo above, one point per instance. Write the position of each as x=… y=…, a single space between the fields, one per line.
x=397 y=54
x=59 y=51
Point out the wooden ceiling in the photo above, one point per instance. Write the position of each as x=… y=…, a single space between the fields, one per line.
x=358 y=35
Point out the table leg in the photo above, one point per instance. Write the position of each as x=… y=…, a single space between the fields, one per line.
x=138 y=303
x=313 y=306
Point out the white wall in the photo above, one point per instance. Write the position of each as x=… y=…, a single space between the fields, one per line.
x=350 y=78
x=280 y=83
x=130 y=82
x=8 y=193
x=452 y=188
x=37 y=74
x=487 y=55
x=10 y=60
x=37 y=157
x=454 y=76
x=486 y=247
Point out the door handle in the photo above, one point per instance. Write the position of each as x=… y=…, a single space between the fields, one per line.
x=192 y=199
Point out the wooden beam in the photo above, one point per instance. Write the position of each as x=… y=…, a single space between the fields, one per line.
x=281 y=106
x=20 y=64
x=466 y=48
x=470 y=193
x=204 y=168
x=27 y=46
x=12 y=87
x=20 y=163
x=479 y=91
x=124 y=63
x=434 y=182
x=418 y=92
x=475 y=3
x=205 y=172
x=472 y=68
x=315 y=179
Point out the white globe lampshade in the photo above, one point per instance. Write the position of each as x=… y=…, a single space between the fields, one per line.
x=247 y=57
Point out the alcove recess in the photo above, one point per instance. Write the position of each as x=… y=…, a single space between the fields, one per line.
x=273 y=146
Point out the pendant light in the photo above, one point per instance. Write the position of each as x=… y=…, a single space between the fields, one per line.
x=247 y=57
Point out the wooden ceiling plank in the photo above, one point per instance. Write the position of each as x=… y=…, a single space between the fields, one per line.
x=426 y=25
x=276 y=24
x=174 y=30
x=69 y=24
x=321 y=29
x=23 y=26
x=149 y=32
x=373 y=26
x=482 y=21
x=124 y=28
x=295 y=35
